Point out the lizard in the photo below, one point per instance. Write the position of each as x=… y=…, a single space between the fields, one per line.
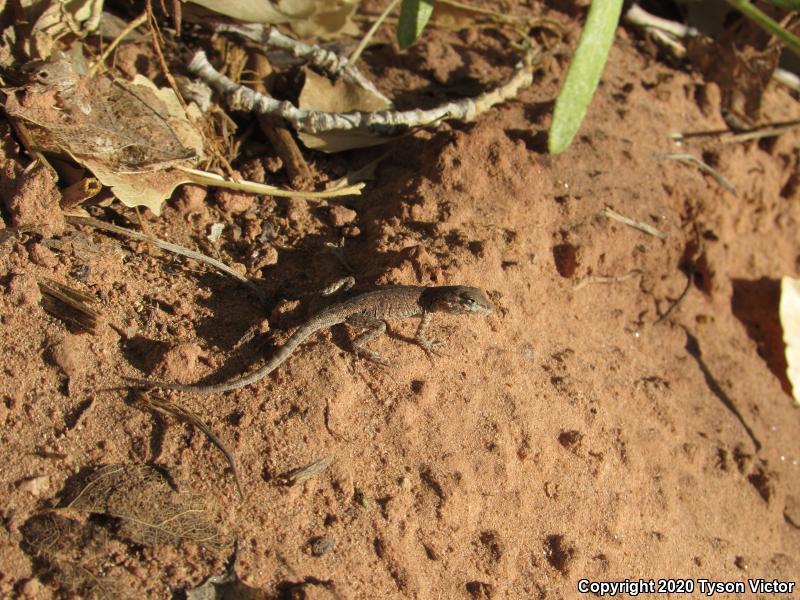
x=370 y=310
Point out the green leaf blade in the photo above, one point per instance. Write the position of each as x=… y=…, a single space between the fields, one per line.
x=414 y=15
x=584 y=73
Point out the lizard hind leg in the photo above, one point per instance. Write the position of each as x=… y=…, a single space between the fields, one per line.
x=374 y=328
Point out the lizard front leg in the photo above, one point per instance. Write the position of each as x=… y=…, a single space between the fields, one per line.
x=431 y=347
x=374 y=328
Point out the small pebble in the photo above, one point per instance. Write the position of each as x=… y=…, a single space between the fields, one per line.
x=322 y=545
x=341 y=215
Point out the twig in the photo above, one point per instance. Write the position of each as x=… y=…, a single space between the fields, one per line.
x=762 y=131
x=164 y=407
x=140 y=20
x=356 y=54
x=381 y=122
x=170 y=247
x=601 y=279
x=276 y=131
x=303 y=474
x=325 y=60
x=215 y=180
x=644 y=227
x=151 y=19
x=693 y=160
x=681 y=297
x=79 y=302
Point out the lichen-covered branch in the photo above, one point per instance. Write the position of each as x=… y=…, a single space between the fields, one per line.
x=326 y=61
x=386 y=122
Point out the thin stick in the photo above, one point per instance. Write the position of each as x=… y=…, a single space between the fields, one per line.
x=140 y=20
x=170 y=247
x=603 y=279
x=164 y=407
x=693 y=160
x=369 y=35
x=278 y=132
x=213 y=179
x=643 y=227
x=161 y=60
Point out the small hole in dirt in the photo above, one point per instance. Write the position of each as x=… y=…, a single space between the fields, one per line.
x=570 y=439
x=480 y=590
x=566 y=259
x=558 y=553
x=711 y=158
x=790 y=187
x=767 y=144
x=761 y=482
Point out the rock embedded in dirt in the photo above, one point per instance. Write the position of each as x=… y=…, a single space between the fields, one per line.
x=23 y=290
x=234 y=202
x=68 y=355
x=341 y=215
x=35 y=202
x=35 y=486
x=178 y=362
x=42 y=256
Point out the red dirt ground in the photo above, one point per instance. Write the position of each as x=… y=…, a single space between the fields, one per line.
x=569 y=435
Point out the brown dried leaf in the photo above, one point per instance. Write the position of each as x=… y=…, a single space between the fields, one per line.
x=129 y=134
x=150 y=511
x=320 y=93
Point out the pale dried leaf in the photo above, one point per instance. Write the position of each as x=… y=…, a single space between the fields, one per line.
x=320 y=93
x=308 y=18
x=789 y=312
x=249 y=11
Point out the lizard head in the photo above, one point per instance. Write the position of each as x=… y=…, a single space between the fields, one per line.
x=458 y=300
x=57 y=73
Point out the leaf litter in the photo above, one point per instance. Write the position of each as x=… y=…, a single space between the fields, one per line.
x=144 y=509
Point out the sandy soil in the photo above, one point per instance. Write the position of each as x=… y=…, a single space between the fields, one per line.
x=574 y=433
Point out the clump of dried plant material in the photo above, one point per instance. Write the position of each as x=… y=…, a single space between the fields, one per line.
x=117 y=504
x=69 y=305
x=73 y=552
x=128 y=134
x=148 y=509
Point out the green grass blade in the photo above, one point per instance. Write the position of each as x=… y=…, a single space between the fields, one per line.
x=584 y=72
x=414 y=15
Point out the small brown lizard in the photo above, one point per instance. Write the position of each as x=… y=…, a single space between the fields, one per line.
x=370 y=310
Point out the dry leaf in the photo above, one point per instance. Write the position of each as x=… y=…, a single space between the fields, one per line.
x=249 y=11
x=129 y=134
x=320 y=93
x=789 y=312
x=55 y=20
x=307 y=18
